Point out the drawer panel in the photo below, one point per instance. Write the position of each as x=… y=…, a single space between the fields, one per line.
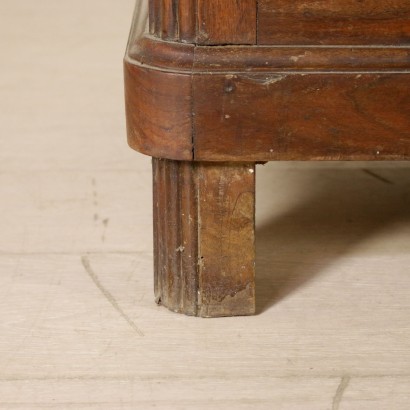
x=334 y=22
x=302 y=116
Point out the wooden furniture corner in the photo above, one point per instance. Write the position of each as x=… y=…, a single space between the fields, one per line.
x=215 y=86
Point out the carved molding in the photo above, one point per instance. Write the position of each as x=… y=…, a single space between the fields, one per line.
x=173 y=19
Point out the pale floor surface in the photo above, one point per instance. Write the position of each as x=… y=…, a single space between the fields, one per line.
x=78 y=325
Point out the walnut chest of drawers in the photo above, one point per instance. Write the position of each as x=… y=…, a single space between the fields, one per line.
x=214 y=87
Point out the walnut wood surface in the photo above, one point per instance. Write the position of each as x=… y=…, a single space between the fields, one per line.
x=175 y=236
x=227 y=22
x=204 y=237
x=260 y=103
x=158 y=111
x=202 y=60
x=271 y=59
x=247 y=103
x=271 y=91
x=204 y=21
x=334 y=22
x=187 y=22
x=173 y=19
x=289 y=116
x=273 y=22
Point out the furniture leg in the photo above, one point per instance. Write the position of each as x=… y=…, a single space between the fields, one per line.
x=204 y=229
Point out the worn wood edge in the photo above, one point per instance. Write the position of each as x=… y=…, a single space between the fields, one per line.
x=169 y=56
x=157 y=54
x=158 y=108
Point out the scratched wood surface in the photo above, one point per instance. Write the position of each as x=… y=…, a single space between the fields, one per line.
x=78 y=324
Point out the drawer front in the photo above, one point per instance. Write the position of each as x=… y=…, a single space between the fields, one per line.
x=334 y=22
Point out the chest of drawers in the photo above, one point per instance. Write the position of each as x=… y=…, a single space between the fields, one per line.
x=215 y=86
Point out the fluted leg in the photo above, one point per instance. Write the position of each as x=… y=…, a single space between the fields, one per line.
x=204 y=234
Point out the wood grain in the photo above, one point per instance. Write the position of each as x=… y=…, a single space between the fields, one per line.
x=155 y=16
x=204 y=237
x=227 y=239
x=246 y=104
x=271 y=59
x=158 y=111
x=204 y=21
x=175 y=236
x=319 y=22
x=202 y=60
x=226 y=22
x=173 y=20
x=302 y=117
x=187 y=20
x=271 y=102
x=169 y=20
x=268 y=103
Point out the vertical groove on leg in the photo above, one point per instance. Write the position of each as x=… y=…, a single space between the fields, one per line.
x=175 y=236
x=189 y=237
x=178 y=285
x=166 y=220
x=173 y=231
x=155 y=199
x=162 y=232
